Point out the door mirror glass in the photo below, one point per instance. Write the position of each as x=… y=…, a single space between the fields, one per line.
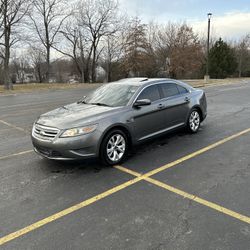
x=142 y=102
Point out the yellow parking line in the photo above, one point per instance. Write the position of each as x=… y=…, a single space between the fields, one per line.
x=13 y=126
x=129 y=171
x=194 y=154
x=16 y=154
x=186 y=195
x=65 y=212
x=201 y=151
x=139 y=177
x=200 y=200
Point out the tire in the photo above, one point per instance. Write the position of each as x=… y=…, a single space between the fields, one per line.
x=194 y=121
x=114 y=147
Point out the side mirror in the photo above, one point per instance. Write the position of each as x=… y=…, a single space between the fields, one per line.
x=142 y=102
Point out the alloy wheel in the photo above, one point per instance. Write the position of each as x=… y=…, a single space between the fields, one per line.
x=116 y=147
x=194 y=121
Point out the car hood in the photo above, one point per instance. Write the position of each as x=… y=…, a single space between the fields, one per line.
x=74 y=115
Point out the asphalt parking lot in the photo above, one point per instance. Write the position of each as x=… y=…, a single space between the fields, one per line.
x=179 y=191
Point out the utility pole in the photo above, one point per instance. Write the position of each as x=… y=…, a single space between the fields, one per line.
x=206 y=78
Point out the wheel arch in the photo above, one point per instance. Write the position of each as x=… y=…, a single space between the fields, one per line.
x=113 y=127
x=198 y=108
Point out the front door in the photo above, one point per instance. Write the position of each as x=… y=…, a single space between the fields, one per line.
x=148 y=120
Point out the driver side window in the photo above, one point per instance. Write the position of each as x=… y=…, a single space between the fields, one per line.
x=152 y=93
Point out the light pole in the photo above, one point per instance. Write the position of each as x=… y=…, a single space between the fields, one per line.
x=209 y=15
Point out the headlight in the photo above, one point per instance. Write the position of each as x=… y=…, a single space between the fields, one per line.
x=79 y=131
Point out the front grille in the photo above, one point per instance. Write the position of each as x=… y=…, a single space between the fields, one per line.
x=44 y=133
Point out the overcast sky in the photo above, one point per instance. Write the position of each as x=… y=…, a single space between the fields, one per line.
x=231 y=18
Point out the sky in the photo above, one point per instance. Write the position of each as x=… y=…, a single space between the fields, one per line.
x=230 y=19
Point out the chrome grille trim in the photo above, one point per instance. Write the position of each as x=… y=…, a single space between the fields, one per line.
x=44 y=132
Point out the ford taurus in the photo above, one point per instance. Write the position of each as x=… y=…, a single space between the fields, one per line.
x=116 y=116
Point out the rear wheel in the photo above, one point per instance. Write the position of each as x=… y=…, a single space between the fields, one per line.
x=114 y=147
x=194 y=121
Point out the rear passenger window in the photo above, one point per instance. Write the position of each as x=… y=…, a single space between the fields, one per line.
x=151 y=93
x=169 y=89
x=182 y=90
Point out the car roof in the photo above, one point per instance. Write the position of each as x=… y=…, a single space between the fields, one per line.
x=140 y=81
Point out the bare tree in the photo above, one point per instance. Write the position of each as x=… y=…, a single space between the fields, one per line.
x=243 y=54
x=38 y=62
x=84 y=34
x=112 y=49
x=75 y=47
x=112 y=52
x=163 y=44
x=186 y=55
x=47 y=18
x=99 y=18
x=19 y=66
x=136 y=48
x=12 y=13
x=178 y=50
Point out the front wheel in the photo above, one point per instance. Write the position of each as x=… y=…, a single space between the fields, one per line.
x=114 y=147
x=194 y=121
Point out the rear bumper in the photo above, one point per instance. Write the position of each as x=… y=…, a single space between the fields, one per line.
x=204 y=106
x=80 y=147
x=204 y=115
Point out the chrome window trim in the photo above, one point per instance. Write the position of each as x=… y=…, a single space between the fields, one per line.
x=161 y=131
x=157 y=83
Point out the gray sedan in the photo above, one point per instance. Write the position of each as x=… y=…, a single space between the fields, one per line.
x=116 y=116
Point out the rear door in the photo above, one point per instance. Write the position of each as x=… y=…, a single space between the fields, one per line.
x=148 y=120
x=176 y=101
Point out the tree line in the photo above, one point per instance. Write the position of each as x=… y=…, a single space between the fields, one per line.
x=92 y=40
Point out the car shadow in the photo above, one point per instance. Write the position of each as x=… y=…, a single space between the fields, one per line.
x=89 y=166
x=161 y=141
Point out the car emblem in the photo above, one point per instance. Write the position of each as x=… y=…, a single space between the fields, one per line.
x=42 y=133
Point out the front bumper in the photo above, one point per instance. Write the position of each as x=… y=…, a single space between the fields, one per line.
x=79 y=147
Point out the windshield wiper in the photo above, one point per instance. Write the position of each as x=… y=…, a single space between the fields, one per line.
x=82 y=100
x=99 y=104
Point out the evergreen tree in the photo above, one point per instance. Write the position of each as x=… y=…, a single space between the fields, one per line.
x=222 y=60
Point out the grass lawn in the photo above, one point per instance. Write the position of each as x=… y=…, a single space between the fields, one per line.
x=24 y=88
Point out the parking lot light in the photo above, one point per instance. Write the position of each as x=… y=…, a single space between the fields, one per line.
x=206 y=78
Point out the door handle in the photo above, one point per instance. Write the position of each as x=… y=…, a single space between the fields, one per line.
x=160 y=106
x=187 y=99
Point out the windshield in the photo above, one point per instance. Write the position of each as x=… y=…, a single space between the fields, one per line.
x=111 y=94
